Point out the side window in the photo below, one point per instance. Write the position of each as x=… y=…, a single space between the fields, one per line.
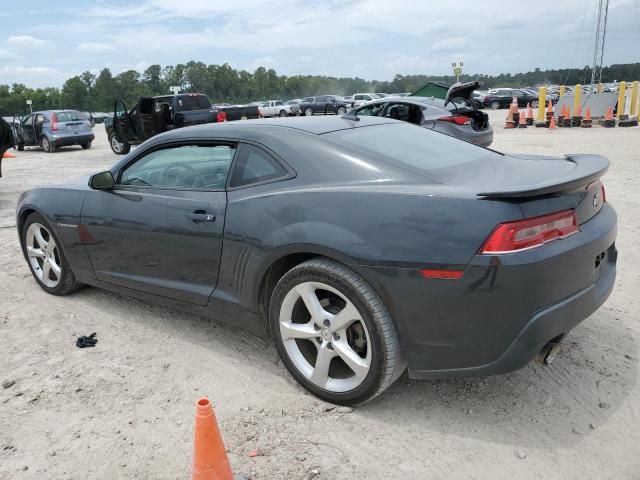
x=189 y=166
x=372 y=110
x=254 y=165
x=279 y=103
x=321 y=99
x=27 y=121
x=357 y=97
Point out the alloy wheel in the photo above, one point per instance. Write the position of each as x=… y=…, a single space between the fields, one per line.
x=43 y=255
x=308 y=112
x=116 y=145
x=325 y=336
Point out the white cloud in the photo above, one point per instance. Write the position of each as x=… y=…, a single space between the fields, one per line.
x=94 y=47
x=25 y=41
x=6 y=54
x=33 y=76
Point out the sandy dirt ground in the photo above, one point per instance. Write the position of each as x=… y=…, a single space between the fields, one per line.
x=125 y=409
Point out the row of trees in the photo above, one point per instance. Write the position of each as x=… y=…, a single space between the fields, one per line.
x=222 y=83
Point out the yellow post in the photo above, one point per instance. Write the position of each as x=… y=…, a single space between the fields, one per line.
x=634 y=99
x=621 y=98
x=542 y=96
x=562 y=90
x=576 y=99
x=600 y=88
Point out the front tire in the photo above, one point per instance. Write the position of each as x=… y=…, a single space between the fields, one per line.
x=118 y=147
x=86 y=146
x=45 y=257
x=308 y=112
x=334 y=334
x=342 y=110
x=494 y=105
x=283 y=113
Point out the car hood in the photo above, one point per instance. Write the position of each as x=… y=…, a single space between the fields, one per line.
x=461 y=90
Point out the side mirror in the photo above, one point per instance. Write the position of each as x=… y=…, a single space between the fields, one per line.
x=102 y=181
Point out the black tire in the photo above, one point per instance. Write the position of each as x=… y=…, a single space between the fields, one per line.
x=308 y=112
x=21 y=147
x=68 y=282
x=126 y=148
x=86 y=146
x=283 y=113
x=387 y=360
x=495 y=105
x=46 y=145
x=342 y=110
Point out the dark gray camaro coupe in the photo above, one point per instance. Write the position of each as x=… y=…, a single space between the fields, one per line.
x=361 y=246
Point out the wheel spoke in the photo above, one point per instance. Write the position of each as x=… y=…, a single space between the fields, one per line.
x=46 y=268
x=320 y=374
x=35 y=252
x=310 y=299
x=345 y=317
x=359 y=365
x=298 y=330
x=40 y=239
x=55 y=268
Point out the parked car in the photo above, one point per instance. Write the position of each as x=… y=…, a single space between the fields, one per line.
x=278 y=108
x=154 y=115
x=404 y=94
x=323 y=104
x=502 y=97
x=51 y=129
x=6 y=139
x=362 y=98
x=456 y=115
x=361 y=251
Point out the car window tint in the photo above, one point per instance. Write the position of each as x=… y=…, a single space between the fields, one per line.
x=416 y=148
x=28 y=121
x=70 y=116
x=254 y=165
x=372 y=110
x=189 y=166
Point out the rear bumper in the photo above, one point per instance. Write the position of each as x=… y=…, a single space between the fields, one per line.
x=72 y=140
x=505 y=308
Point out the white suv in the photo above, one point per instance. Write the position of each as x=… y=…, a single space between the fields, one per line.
x=362 y=98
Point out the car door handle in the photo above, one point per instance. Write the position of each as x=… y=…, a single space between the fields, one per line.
x=201 y=217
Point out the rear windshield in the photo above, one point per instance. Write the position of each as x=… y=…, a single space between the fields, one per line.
x=70 y=116
x=413 y=147
x=193 y=102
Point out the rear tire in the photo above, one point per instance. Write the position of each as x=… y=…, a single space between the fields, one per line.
x=308 y=112
x=283 y=113
x=48 y=251
x=46 y=145
x=117 y=146
x=355 y=340
x=86 y=146
x=494 y=105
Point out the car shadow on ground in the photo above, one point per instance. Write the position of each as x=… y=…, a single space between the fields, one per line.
x=537 y=407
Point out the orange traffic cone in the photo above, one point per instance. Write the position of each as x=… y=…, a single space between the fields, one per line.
x=529 y=114
x=8 y=155
x=549 y=109
x=210 y=460
x=609 y=114
x=578 y=111
x=552 y=123
x=509 y=123
x=522 y=121
x=586 y=121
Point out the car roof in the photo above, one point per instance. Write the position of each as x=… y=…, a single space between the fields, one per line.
x=316 y=125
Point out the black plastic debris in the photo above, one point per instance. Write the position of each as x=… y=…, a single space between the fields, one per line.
x=84 y=342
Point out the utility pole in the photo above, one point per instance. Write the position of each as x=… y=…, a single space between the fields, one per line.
x=598 y=48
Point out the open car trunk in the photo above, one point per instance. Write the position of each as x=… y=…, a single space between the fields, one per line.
x=459 y=100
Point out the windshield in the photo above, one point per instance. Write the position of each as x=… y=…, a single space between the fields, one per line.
x=433 y=154
x=193 y=102
x=70 y=116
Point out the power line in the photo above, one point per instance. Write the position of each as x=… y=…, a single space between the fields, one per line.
x=598 y=49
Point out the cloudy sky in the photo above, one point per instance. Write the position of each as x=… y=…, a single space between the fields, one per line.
x=43 y=42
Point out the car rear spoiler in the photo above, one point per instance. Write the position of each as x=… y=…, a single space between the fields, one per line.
x=588 y=169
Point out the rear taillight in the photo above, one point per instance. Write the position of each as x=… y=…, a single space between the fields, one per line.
x=457 y=119
x=54 y=122
x=221 y=117
x=530 y=233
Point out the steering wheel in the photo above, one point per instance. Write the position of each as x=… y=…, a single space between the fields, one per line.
x=179 y=174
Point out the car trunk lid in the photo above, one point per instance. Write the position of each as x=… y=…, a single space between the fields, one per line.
x=479 y=121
